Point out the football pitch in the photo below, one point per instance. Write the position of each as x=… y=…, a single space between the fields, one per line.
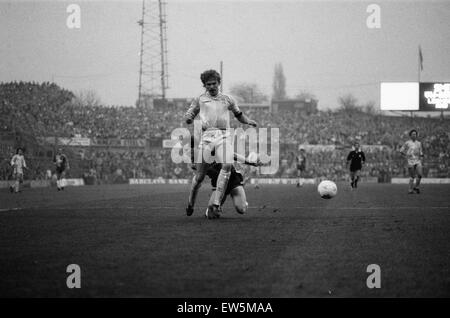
x=136 y=241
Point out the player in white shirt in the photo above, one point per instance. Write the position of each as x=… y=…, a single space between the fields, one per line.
x=412 y=150
x=252 y=171
x=18 y=164
x=213 y=109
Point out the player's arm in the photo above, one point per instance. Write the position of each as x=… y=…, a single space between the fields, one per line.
x=240 y=116
x=363 y=158
x=13 y=161
x=193 y=111
x=421 y=151
x=245 y=120
x=403 y=149
x=349 y=158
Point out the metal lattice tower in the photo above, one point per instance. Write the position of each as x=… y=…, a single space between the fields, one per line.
x=153 y=76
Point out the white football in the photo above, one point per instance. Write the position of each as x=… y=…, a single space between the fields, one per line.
x=252 y=157
x=327 y=189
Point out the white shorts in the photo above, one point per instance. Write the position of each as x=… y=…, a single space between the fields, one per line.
x=214 y=138
x=414 y=162
x=211 y=140
x=18 y=175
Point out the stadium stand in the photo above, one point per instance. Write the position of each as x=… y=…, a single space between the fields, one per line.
x=113 y=144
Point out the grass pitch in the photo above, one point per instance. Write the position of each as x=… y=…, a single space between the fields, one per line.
x=136 y=241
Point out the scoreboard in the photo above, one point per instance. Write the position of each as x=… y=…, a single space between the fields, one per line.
x=414 y=96
x=434 y=96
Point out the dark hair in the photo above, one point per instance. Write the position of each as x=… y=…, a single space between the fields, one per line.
x=209 y=74
x=413 y=130
x=17 y=150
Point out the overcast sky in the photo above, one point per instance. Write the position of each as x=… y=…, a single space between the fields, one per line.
x=325 y=47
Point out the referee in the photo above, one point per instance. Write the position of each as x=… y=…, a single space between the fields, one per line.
x=356 y=159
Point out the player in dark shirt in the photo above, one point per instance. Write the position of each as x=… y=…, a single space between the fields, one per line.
x=301 y=166
x=235 y=189
x=356 y=159
x=62 y=165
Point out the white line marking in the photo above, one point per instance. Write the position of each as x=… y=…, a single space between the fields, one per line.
x=202 y=207
x=11 y=209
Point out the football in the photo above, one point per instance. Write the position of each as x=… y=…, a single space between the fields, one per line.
x=252 y=157
x=327 y=189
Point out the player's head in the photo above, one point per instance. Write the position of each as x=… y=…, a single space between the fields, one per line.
x=60 y=150
x=211 y=81
x=356 y=145
x=19 y=151
x=413 y=134
x=302 y=150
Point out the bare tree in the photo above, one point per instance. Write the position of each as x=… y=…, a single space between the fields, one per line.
x=370 y=108
x=88 y=98
x=279 y=83
x=248 y=93
x=304 y=95
x=348 y=103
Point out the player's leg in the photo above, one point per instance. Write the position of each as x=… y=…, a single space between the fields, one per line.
x=418 y=177
x=247 y=178
x=412 y=173
x=225 y=155
x=356 y=178
x=256 y=177
x=197 y=180
x=58 y=179
x=62 y=182
x=12 y=185
x=352 y=178
x=209 y=210
x=17 y=182
x=239 y=199
x=210 y=214
x=202 y=162
x=299 y=174
x=20 y=180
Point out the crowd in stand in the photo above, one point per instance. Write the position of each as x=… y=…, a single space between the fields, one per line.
x=119 y=166
x=46 y=110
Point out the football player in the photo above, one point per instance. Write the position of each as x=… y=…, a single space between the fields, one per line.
x=213 y=109
x=235 y=189
x=301 y=166
x=62 y=165
x=413 y=152
x=18 y=164
x=356 y=160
